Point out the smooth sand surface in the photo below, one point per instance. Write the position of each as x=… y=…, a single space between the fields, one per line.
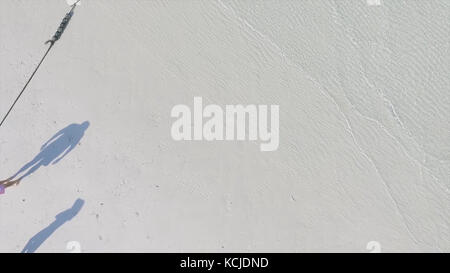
x=364 y=96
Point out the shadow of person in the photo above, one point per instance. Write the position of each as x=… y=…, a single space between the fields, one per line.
x=36 y=241
x=53 y=151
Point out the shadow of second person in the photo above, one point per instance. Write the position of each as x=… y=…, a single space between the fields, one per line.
x=53 y=151
x=37 y=240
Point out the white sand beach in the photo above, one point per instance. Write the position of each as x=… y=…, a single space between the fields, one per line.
x=363 y=91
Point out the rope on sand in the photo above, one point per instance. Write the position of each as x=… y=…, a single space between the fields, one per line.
x=52 y=41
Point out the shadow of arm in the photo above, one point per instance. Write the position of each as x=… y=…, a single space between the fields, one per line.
x=51 y=139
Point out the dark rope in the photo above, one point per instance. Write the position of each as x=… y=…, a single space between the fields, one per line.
x=29 y=80
x=55 y=38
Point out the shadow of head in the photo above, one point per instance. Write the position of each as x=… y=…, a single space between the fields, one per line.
x=85 y=125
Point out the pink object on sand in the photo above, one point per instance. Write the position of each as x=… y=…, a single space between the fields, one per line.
x=2 y=189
